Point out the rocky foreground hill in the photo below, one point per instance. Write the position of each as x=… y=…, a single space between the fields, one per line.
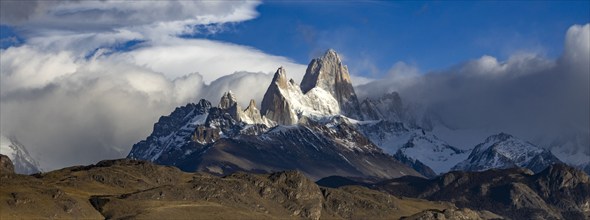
x=558 y=192
x=132 y=189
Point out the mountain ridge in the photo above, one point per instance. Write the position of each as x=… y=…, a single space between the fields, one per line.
x=300 y=127
x=133 y=189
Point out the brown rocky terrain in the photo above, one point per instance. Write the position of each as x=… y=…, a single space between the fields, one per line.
x=558 y=192
x=132 y=189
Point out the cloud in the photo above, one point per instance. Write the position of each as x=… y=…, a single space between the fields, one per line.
x=75 y=111
x=528 y=95
x=73 y=98
x=212 y=59
x=399 y=77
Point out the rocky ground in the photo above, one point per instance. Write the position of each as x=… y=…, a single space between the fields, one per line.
x=558 y=192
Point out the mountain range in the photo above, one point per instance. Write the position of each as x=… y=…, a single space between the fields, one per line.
x=322 y=129
x=557 y=192
x=312 y=150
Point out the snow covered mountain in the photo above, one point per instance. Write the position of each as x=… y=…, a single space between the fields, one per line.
x=320 y=128
x=18 y=154
x=388 y=107
x=307 y=127
x=503 y=151
x=415 y=147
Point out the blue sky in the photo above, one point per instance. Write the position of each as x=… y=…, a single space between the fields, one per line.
x=429 y=35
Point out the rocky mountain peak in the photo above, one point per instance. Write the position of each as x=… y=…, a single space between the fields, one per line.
x=229 y=104
x=506 y=151
x=251 y=115
x=499 y=137
x=227 y=101
x=329 y=74
x=275 y=105
x=251 y=105
x=280 y=78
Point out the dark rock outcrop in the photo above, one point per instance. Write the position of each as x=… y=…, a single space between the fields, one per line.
x=6 y=166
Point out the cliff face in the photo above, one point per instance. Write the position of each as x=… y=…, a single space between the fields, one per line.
x=329 y=74
x=326 y=89
x=275 y=105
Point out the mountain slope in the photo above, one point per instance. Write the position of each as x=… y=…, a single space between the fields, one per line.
x=318 y=148
x=171 y=131
x=506 y=151
x=414 y=147
x=298 y=127
x=23 y=162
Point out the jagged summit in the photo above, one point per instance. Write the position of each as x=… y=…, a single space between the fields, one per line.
x=251 y=115
x=227 y=101
x=275 y=105
x=325 y=90
x=329 y=74
x=324 y=72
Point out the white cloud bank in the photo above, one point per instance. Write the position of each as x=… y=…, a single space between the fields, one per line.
x=543 y=100
x=71 y=99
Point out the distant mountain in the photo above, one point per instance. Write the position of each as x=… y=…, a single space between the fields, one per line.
x=308 y=127
x=570 y=147
x=506 y=151
x=23 y=162
x=414 y=147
